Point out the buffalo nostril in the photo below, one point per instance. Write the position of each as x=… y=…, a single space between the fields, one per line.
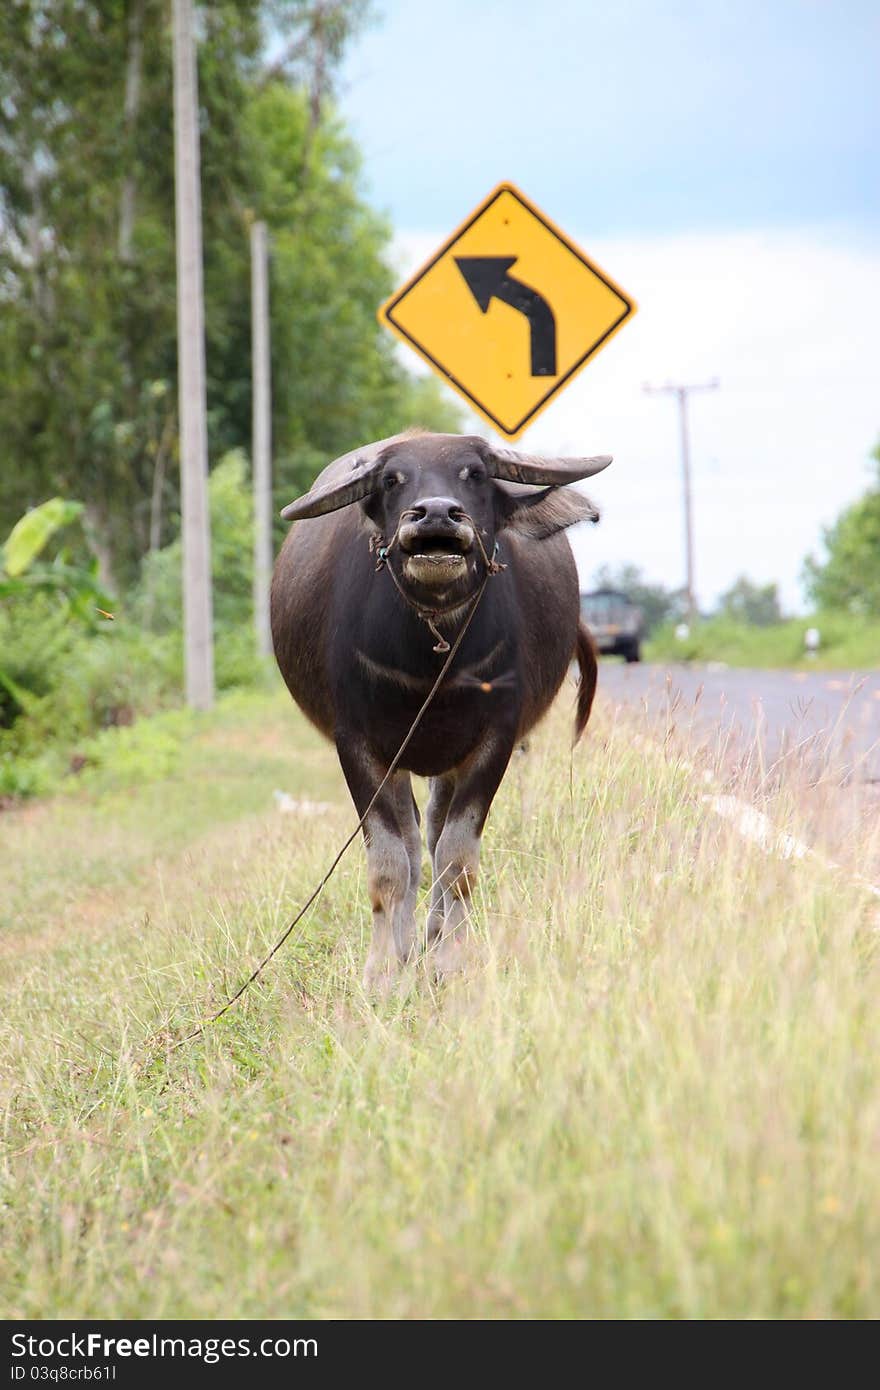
x=438 y=509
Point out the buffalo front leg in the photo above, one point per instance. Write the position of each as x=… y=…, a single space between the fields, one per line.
x=408 y=824
x=456 y=850
x=442 y=789
x=391 y=836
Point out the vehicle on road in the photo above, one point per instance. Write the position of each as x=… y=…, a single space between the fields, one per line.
x=615 y=622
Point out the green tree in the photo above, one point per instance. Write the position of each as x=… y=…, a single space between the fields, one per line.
x=337 y=378
x=87 y=273
x=754 y=604
x=87 y=280
x=45 y=597
x=849 y=576
x=157 y=600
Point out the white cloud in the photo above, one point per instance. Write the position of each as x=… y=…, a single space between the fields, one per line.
x=788 y=323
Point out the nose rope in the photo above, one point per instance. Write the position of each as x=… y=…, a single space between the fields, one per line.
x=429 y=616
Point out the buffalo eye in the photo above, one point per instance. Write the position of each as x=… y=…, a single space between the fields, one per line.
x=473 y=475
x=391 y=480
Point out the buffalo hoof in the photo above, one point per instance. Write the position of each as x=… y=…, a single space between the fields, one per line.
x=386 y=975
x=449 y=956
x=380 y=973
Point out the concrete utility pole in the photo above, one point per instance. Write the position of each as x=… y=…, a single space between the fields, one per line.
x=261 y=372
x=198 y=635
x=682 y=393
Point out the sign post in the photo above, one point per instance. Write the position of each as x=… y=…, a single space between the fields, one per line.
x=198 y=636
x=262 y=434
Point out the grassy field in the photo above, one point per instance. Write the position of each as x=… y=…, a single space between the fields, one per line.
x=847 y=643
x=655 y=1092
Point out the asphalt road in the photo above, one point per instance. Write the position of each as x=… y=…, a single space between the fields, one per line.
x=832 y=716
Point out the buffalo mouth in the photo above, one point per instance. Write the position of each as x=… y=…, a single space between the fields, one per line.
x=436 y=557
x=435 y=567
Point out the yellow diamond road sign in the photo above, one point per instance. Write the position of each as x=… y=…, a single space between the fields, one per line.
x=508 y=310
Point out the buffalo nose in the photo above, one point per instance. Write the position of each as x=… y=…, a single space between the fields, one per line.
x=434 y=510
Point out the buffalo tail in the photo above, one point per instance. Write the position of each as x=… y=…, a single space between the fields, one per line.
x=589 y=673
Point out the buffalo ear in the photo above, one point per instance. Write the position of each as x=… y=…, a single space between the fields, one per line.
x=538 y=515
x=350 y=478
x=359 y=483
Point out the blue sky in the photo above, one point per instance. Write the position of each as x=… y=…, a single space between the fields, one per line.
x=720 y=162
x=628 y=116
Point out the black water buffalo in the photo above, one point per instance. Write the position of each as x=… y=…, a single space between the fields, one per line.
x=392 y=546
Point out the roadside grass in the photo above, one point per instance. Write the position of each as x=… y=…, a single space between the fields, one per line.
x=653 y=1094
x=148 y=790
x=847 y=643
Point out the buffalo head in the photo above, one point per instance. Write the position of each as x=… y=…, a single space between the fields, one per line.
x=435 y=503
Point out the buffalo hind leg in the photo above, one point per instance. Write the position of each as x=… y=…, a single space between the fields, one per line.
x=456 y=853
x=393 y=845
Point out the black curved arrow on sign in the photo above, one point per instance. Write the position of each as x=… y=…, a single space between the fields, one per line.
x=487 y=279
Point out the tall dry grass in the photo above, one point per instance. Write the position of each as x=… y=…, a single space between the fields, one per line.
x=654 y=1093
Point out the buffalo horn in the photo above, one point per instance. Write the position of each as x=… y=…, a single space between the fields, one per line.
x=524 y=468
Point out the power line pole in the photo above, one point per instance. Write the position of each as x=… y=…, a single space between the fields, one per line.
x=682 y=392
x=261 y=372
x=196 y=522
